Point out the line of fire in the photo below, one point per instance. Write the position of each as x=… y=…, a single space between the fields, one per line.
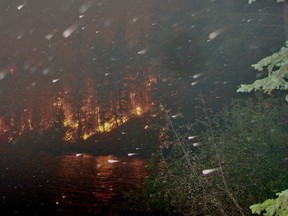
x=80 y=105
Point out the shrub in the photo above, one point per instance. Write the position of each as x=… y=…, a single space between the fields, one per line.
x=240 y=160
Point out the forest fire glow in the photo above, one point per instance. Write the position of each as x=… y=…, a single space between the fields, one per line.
x=80 y=113
x=138 y=110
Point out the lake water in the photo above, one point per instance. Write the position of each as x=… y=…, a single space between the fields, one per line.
x=44 y=184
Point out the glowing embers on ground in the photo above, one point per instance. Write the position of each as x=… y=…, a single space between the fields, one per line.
x=106 y=127
x=79 y=129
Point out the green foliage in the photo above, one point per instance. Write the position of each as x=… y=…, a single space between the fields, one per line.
x=252 y=134
x=251 y=137
x=277 y=67
x=273 y=207
x=251 y=142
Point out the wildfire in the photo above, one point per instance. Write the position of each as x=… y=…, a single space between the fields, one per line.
x=69 y=135
x=138 y=110
x=81 y=113
x=106 y=127
x=73 y=127
x=86 y=136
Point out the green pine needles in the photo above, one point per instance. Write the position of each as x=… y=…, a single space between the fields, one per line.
x=277 y=67
x=273 y=207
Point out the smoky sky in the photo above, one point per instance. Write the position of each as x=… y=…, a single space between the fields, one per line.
x=195 y=45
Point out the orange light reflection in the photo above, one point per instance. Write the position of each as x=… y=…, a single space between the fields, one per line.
x=104 y=179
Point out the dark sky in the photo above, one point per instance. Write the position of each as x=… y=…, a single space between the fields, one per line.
x=205 y=45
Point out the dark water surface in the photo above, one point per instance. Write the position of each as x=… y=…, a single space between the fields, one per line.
x=44 y=184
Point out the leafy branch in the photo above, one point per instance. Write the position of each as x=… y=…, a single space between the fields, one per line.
x=277 y=67
x=273 y=207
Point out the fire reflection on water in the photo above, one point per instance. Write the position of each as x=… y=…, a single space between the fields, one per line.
x=89 y=181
